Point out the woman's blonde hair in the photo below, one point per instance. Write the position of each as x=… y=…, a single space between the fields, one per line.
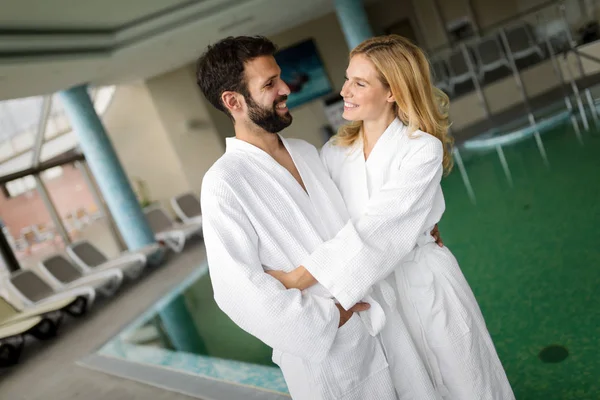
x=404 y=69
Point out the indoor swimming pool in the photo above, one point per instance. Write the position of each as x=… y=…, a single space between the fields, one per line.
x=528 y=247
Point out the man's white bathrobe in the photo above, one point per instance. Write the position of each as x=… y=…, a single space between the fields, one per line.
x=394 y=199
x=255 y=217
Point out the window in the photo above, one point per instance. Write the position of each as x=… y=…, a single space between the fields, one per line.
x=52 y=173
x=20 y=186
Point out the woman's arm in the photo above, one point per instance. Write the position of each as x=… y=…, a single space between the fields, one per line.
x=366 y=250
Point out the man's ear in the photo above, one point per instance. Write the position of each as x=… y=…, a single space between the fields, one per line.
x=232 y=101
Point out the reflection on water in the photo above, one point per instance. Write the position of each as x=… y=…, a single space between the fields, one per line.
x=193 y=323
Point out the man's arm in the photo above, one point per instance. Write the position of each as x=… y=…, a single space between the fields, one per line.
x=367 y=250
x=302 y=325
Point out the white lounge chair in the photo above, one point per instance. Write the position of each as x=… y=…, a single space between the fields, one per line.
x=522 y=41
x=166 y=230
x=490 y=55
x=62 y=274
x=29 y=290
x=440 y=76
x=187 y=207
x=50 y=312
x=90 y=259
x=458 y=67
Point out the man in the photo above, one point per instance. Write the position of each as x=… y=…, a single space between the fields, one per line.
x=268 y=203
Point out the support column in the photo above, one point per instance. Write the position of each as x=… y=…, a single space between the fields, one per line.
x=179 y=327
x=104 y=164
x=354 y=22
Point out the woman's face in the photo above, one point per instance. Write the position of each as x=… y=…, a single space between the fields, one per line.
x=365 y=96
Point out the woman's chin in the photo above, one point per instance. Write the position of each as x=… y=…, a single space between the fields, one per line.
x=348 y=116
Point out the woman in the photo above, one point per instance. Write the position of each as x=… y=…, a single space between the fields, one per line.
x=388 y=163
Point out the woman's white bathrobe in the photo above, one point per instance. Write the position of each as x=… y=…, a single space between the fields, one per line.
x=394 y=199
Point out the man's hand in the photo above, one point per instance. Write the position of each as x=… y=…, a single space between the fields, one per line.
x=346 y=315
x=436 y=235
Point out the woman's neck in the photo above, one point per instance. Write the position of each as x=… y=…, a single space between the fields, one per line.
x=372 y=131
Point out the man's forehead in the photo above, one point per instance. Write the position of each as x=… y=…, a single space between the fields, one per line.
x=261 y=68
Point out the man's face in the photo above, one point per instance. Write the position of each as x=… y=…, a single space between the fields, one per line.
x=266 y=103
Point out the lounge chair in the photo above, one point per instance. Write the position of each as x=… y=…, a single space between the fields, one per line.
x=187 y=208
x=439 y=70
x=90 y=259
x=166 y=230
x=458 y=67
x=62 y=275
x=490 y=56
x=522 y=41
x=50 y=312
x=29 y=290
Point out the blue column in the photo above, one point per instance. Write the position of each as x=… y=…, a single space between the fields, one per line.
x=107 y=169
x=179 y=326
x=354 y=22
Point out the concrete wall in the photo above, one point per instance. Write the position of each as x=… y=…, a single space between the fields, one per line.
x=142 y=143
x=184 y=114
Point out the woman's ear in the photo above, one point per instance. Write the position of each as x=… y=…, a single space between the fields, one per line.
x=390 y=97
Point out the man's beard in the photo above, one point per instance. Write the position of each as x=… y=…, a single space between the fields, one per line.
x=268 y=118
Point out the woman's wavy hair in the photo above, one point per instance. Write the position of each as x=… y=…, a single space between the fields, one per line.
x=404 y=69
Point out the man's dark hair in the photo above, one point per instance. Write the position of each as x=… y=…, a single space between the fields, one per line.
x=221 y=67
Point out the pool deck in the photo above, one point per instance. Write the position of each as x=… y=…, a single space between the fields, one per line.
x=48 y=370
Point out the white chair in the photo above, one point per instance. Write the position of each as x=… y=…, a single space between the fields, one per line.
x=458 y=68
x=27 y=289
x=50 y=313
x=166 y=230
x=439 y=70
x=62 y=275
x=90 y=259
x=187 y=207
x=521 y=39
x=489 y=55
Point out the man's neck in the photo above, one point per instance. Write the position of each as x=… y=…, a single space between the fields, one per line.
x=267 y=142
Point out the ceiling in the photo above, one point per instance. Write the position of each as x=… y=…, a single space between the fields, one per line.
x=46 y=46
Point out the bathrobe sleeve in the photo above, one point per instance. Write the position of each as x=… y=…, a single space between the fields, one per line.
x=366 y=250
x=286 y=320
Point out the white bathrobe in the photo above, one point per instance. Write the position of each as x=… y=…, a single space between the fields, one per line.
x=256 y=216
x=394 y=199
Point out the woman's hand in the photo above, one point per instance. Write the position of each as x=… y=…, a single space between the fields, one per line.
x=284 y=278
x=299 y=278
